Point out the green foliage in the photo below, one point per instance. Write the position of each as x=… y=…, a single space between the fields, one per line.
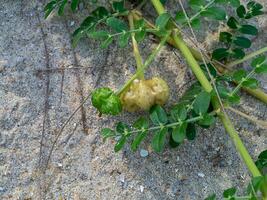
x=158 y=116
x=262 y=162
x=253 y=188
x=260 y=65
x=235 y=40
x=106 y=101
x=60 y=6
x=162 y=20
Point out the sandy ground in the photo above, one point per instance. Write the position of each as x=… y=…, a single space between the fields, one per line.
x=43 y=80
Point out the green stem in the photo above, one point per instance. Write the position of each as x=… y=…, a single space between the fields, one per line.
x=208 y=87
x=241 y=82
x=198 y=13
x=258 y=93
x=141 y=70
x=192 y=62
x=247 y=57
x=137 y=56
x=152 y=56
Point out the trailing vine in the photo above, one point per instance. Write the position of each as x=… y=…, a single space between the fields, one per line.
x=217 y=87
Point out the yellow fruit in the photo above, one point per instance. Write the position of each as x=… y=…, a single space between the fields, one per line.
x=160 y=89
x=142 y=94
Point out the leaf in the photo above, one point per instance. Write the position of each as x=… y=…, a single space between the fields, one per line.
x=255 y=184
x=202 y=102
x=191 y=131
x=196 y=24
x=225 y=37
x=61 y=7
x=178 y=113
x=211 y=68
x=163 y=2
x=162 y=20
x=180 y=18
x=257 y=62
x=76 y=36
x=158 y=140
x=117 y=24
x=229 y=192
x=49 y=8
x=222 y=90
x=141 y=124
x=106 y=101
x=241 y=11
x=179 y=133
x=172 y=143
x=220 y=54
x=261 y=69
x=233 y=99
x=107 y=132
x=98 y=34
x=242 y=42
x=88 y=22
x=248 y=29
x=74 y=4
x=239 y=75
x=254 y=9
x=234 y=3
x=262 y=160
x=100 y=12
x=140 y=35
x=118 y=6
x=106 y=43
x=251 y=83
x=214 y=13
x=211 y=197
x=237 y=53
x=123 y=39
x=232 y=23
x=207 y=120
x=122 y=129
x=197 y=4
x=157 y=115
x=119 y=145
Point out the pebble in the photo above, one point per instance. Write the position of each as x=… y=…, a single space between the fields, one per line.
x=143 y=153
x=200 y=174
x=71 y=23
x=59 y=164
x=177 y=158
x=142 y=188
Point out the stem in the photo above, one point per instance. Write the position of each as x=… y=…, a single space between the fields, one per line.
x=241 y=82
x=144 y=67
x=198 y=13
x=192 y=62
x=258 y=93
x=156 y=50
x=261 y=123
x=136 y=52
x=247 y=57
x=239 y=145
x=208 y=87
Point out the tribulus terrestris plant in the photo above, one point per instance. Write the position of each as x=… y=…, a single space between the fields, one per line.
x=218 y=83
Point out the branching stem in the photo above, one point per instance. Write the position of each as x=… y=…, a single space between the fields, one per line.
x=247 y=57
x=137 y=56
x=208 y=87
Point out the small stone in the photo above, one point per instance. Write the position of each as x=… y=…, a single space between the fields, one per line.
x=142 y=188
x=143 y=153
x=59 y=164
x=72 y=23
x=200 y=174
x=177 y=158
